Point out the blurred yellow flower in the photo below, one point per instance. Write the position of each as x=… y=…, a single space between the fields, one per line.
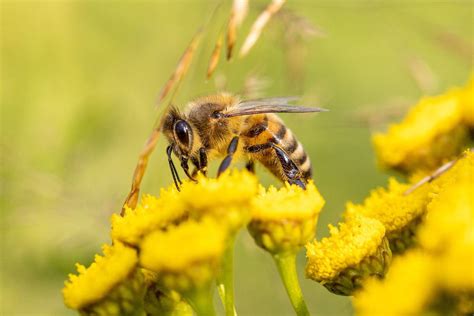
x=354 y=251
x=399 y=213
x=449 y=232
x=285 y=219
x=408 y=288
x=103 y=276
x=185 y=256
x=151 y=214
x=226 y=198
x=467 y=103
x=431 y=133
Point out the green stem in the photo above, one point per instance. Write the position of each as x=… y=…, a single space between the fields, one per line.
x=201 y=301
x=286 y=264
x=225 y=281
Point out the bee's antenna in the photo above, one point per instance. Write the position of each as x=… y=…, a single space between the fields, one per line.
x=174 y=172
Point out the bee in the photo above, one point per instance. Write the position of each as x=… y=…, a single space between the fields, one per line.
x=223 y=126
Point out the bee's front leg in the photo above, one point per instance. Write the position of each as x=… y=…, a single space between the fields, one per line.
x=203 y=160
x=230 y=153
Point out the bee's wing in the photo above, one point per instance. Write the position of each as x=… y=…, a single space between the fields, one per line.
x=270 y=105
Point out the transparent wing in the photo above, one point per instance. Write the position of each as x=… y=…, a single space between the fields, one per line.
x=269 y=105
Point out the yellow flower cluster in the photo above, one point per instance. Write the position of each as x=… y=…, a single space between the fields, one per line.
x=184 y=256
x=226 y=198
x=95 y=282
x=440 y=271
x=357 y=238
x=151 y=214
x=181 y=238
x=434 y=131
x=283 y=220
x=400 y=213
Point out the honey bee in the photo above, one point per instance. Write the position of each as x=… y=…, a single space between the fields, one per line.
x=223 y=126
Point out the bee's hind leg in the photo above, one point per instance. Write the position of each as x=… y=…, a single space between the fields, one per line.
x=292 y=173
x=230 y=153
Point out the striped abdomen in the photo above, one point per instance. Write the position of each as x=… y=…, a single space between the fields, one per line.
x=261 y=130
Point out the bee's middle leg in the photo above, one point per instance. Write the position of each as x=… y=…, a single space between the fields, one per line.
x=230 y=153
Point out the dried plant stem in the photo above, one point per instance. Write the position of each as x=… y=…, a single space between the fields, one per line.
x=225 y=282
x=259 y=24
x=286 y=264
x=132 y=197
x=438 y=172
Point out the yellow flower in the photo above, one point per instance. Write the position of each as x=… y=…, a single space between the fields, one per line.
x=354 y=251
x=226 y=198
x=185 y=256
x=408 y=288
x=430 y=134
x=110 y=283
x=151 y=214
x=467 y=103
x=399 y=213
x=449 y=232
x=285 y=219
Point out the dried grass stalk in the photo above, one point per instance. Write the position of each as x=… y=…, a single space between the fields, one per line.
x=259 y=24
x=182 y=67
x=237 y=16
x=215 y=57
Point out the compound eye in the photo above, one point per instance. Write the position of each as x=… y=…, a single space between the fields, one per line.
x=183 y=133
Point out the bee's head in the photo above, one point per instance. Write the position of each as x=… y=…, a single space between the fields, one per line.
x=179 y=133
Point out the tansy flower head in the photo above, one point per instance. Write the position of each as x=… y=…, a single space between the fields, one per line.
x=400 y=213
x=431 y=133
x=285 y=219
x=227 y=197
x=406 y=290
x=353 y=252
x=467 y=103
x=151 y=214
x=111 y=284
x=450 y=218
x=185 y=256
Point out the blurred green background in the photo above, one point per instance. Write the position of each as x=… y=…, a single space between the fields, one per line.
x=79 y=82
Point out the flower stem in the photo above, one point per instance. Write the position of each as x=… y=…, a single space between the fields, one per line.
x=225 y=281
x=286 y=264
x=201 y=301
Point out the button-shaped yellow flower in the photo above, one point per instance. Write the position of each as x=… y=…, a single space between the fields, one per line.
x=354 y=251
x=285 y=219
x=151 y=214
x=432 y=133
x=408 y=288
x=110 y=286
x=400 y=213
x=226 y=198
x=186 y=256
x=448 y=232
